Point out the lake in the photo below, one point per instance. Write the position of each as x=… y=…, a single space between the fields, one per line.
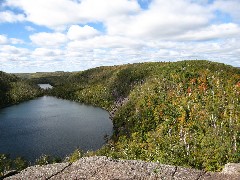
x=48 y=125
x=45 y=86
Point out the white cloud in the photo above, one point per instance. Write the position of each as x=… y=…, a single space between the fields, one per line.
x=76 y=32
x=44 y=52
x=102 y=10
x=29 y=28
x=232 y=7
x=49 y=13
x=168 y=30
x=162 y=20
x=11 y=56
x=12 y=50
x=8 y=16
x=16 y=41
x=106 y=42
x=3 y=39
x=221 y=31
x=47 y=57
x=58 y=13
x=48 y=39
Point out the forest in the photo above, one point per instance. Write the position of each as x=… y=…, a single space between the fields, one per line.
x=14 y=90
x=184 y=113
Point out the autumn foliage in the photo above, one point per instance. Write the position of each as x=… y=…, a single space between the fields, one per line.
x=182 y=113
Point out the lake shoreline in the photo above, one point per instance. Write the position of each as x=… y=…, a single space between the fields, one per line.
x=91 y=133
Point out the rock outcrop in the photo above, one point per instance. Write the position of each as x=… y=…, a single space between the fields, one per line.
x=107 y=168
x=231 y=168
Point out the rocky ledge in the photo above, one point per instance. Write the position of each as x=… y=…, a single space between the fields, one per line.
x=107 y=168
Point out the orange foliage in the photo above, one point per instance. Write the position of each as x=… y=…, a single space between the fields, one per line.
x=193 y=81
x=149 y=103
x=189 y=90
x=202 y=87
x=238 y=84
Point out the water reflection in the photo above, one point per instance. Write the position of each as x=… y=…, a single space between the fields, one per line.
x=48 y=125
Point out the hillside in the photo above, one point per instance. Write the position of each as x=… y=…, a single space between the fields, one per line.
x=181 y=113
x=14 y=90
x=53 y=78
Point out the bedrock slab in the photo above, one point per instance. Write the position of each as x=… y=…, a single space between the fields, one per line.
x=100 y=167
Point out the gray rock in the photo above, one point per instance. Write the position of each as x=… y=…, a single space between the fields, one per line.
x=100 y=167
x=39 y=172
x=231 y=168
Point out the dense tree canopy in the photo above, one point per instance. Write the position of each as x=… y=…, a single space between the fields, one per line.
x=183 y=113
x=14 y=90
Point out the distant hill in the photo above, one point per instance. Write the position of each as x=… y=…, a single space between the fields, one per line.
x=53 y=78
x=184 y=113
x=14 y=90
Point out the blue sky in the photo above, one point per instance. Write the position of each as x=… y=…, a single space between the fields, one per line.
x=74 y=35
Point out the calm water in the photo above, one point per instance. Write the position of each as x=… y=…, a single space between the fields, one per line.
x=48 y=125
x=45 y=86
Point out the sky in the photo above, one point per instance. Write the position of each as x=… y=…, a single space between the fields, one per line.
x=75 y=35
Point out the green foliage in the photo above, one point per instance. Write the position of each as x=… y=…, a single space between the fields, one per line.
x=46 y=159
x=14 y=90
x=7 y=164
x=77 y=154
x=53 y=78
x=5 y=86
x=20 y=164
x=102 y=86
x=43 y=160
x=184 y=113
x=22 y=91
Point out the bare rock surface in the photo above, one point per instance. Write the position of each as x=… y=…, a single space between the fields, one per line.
x=100 y=167
x=231 y=168
x=40 y=172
